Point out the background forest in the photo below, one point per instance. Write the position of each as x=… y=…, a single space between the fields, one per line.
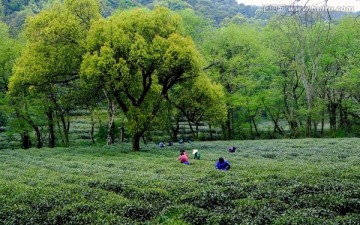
x=223 y=70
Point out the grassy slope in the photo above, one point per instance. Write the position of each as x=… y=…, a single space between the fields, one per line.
x=274 y=181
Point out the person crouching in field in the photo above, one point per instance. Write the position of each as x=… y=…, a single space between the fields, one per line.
x=161 y=144
x=183 y=158
x=222 y=164
x=184 y=151
x=196 y=154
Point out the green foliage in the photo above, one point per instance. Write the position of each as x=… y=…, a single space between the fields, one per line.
x=200 y=101
x=194 y=215
x=245 y=68
x=127 y=4
x=102 y=134
x=291 y=77
x=9 y=50
x=47 y=71
x=175 y=5
x=138 y=56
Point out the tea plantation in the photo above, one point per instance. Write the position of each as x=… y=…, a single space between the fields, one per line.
x=308 y=181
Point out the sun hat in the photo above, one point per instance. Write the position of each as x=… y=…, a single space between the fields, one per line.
x=194 y=151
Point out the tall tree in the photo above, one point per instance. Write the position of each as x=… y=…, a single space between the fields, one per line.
x=50 y=64
x=340 y=80
x=241 y=63
x=305 y=36
x=139 y=55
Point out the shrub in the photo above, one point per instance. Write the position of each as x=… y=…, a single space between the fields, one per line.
x=304 y=216
x=269 y=155
x=208 y=199
x=75 y=213
x=235 y=192
x=173 y=215
x=261 y=211
x=159 y=197
x=139 y=211
x=116 y=186
x=196 y=216
x=349 y=219
x=15 y=213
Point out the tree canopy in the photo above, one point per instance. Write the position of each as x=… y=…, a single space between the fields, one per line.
x=139 y=55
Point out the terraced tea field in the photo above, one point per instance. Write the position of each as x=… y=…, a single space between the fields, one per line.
x=308 y=181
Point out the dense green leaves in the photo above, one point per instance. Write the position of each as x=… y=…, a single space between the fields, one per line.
x=48 y=67
x=291 y=76
x=138 y=56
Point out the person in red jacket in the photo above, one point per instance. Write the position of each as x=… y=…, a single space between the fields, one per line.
x=183 y=158
x=184 y=151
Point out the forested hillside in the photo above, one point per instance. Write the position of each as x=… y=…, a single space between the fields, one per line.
x=14 y=12
x=109 y=71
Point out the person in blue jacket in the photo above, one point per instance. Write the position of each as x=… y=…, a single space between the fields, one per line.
x=161 y=144
x=222 y=164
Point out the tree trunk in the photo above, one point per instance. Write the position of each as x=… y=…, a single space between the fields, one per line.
x=275 y=120
x=315 y=124
x=211 y=135
x=144 y=139
x=39 y=143
x=226 y=127
x=332 y=115
x=250 y=121
x=92 y=128
x=25 y=139
x=112 y=115
x=111 y=131
x=323 y=122
x=224 y=132
x=191 y=129
x=36 y=128
x=308 y=124
x=175 y=131
x=229 y=125
x=51 y=128
x=136 y=142
x=65 y=127
x=60 y=132
x=25 y=136
x=122 y=133
x=197 y=131
x=343 y=111
x=255 y=127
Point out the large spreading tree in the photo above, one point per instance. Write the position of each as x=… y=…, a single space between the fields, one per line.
x=48 y=68
x=139 y=56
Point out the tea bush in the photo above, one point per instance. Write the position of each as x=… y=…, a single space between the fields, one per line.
x=209 y=199
x=196 y=216
x=310 y=181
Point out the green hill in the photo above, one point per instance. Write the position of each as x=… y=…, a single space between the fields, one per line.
x=14 y=12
